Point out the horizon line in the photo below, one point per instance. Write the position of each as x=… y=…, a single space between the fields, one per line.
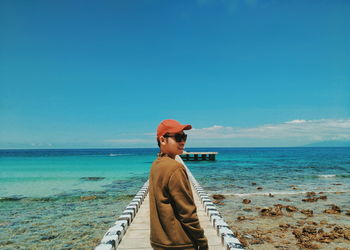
x=158 y=148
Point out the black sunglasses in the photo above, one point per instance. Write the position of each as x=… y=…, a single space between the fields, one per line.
x=178 y=137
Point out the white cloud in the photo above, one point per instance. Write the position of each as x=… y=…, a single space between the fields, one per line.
x=296 y=121
x=301 y=130
x=127 y=141
x=290 y=133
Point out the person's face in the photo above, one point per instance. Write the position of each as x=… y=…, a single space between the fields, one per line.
x=170 y=146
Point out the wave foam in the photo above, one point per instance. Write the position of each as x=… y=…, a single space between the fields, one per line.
x=284 y=193
x=326 y=176
x=114 y=155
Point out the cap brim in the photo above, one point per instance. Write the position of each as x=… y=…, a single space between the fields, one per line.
x=187 y=127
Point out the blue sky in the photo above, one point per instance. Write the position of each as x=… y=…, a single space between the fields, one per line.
x=104 y=74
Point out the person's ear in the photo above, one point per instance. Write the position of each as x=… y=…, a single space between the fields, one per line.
x=162 y=140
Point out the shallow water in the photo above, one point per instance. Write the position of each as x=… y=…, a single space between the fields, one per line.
x=64 y=221
x=279 y=176
x=41 y=205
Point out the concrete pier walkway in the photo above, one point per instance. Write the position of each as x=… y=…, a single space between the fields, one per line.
x=132 y=230
x=138 y=234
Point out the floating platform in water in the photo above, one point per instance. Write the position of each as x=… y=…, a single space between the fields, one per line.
x=199 y=156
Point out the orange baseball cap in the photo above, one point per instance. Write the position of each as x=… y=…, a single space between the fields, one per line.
x=171 y=126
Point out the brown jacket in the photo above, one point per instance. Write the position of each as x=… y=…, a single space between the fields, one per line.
x=174 y=220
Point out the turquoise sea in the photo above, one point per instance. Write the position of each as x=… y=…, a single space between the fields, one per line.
x=67 y=199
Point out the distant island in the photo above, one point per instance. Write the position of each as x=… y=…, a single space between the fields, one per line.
x=329 y=144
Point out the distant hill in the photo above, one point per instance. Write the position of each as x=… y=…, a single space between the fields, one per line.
x=329 y=144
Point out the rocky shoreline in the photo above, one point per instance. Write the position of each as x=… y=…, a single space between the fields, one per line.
x=306 y=221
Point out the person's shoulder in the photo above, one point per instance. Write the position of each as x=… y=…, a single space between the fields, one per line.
x=168 y=163
x=171 y=162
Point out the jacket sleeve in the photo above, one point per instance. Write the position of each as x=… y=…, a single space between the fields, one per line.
x=180 y=190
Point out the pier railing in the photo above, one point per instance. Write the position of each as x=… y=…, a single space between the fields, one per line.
x=114 y=235
x=228 y=239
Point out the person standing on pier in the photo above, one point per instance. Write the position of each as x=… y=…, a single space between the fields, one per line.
x=173 y=214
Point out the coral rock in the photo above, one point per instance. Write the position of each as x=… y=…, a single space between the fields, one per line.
x=297 y=233
x=276 y=211
x=218 y=203
x=311 y=223
x=218 y=197
x=309 y=245
x=333 y=210
x=291 y=209
x=309 y=230
x=346 y=234
x=324 y=240
x=267 y=239
x=300 y=222
x=256 y=241
x=87 y=198
x=243 y=241
x=280 y=206
x=285 y=226
x=310 y=194
x=246 y=201
x=241 y=218
x=307 y=212
x=313 y=199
